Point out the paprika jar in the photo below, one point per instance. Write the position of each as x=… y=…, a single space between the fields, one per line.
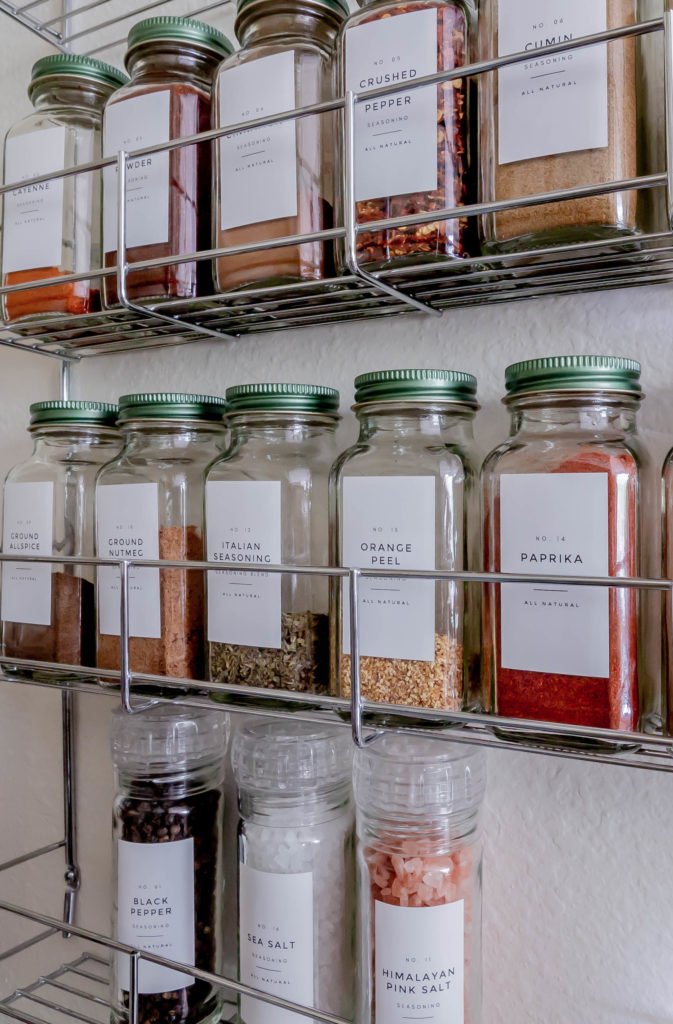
x=278 y=179
x=54 y=228
x=167 y=822
x=48 y=610
x=561 y=498
x=149 y=505
x=266 y=504
x=419 y=856
x=404 y=496
x=172 y=63
x=411 y=150
x=295 y=865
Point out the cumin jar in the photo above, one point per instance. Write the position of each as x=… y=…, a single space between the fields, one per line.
x=172 y=63
x=404 y=497
x=278 y=179
x=561 y=497
x=412 y=150
x=149 y=505
x=53 y=228
x=266 y=504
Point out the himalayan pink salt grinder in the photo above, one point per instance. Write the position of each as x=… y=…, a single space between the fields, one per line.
x=418 y=803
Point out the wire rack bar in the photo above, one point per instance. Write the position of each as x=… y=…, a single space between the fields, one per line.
x=24 y=857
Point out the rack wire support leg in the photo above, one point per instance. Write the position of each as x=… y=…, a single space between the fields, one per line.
x=124 y=641
x=668 y=109
x=350 y=220
x=359 y=738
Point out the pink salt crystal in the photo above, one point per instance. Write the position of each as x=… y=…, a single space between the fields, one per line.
x=398 y=888
x=415 y=901
x=398 y=865
x=414 y=867
x=387 y=891
x=434 y=879
x=425 y=892
x=404 y=898
x=380 y=876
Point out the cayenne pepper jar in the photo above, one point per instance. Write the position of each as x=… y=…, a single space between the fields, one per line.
x=412 y=150
x=172 y=63
x=54 y=227
x=561 y=496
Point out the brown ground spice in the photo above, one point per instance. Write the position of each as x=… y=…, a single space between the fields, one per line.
x=421 y=684
x=69 y=638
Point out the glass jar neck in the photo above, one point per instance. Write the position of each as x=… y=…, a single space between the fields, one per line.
x=189 y=779
x=172 y=61
x=283 y=26
x=406 y=422
x=594 y=412
x=279 y=428
x=56 y=437
x=70 y=91
x=278 y=810
x=171 y=436
x=429 y=834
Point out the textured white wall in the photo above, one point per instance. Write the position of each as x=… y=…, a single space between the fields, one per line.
x=578 y=908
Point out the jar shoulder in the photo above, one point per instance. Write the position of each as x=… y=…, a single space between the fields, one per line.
x=439 y=460
x=565 y=454
x=301 y=46
x=396 y=7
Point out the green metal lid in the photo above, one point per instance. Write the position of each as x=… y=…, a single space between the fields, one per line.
x=282 y=398
x=339 y=7
x=572 y=373
x=82 y=67
x=415 y=386
x=168 y=28
x=101 y=414
x=165 y=405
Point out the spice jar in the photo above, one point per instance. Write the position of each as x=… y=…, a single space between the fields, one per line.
x=557 y=122
x=278 y=179
x=561 y=497
x=48 y=610
x=167 y=824
x=419 y=871
x=54 y=228
x=404 y=497
x=296 y=867
x=412 y=150
x=266 y=504
x=149 y=505
x=172 y=63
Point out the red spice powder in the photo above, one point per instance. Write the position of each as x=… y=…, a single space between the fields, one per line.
x=580 y=700
x=71 y=298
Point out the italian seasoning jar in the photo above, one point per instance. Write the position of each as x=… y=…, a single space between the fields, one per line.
x=278 y=179
x=403 y=496
x=412 y=149
x=167 y=824
x=419 y=855
x=48 y=610
x=296 y=866
x=149 y=505
x=54 y=228
x=562 y=497
x=172 y=63
x=266 y=504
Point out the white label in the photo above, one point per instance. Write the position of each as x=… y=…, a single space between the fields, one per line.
x=155 y=911
x=258 y=168
x=389 y=523
x=275 y=942
x=127 y=526
x=243 y=523
x=33 y=224
x=395 y=135
x=555 y=104
x=555 y=523
x=419 y=962
x=131 y=124
x=28 y=526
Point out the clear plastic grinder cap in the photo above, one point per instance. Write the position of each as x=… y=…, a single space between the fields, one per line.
x=168 y=738
x=291 y=757
x=409 y=777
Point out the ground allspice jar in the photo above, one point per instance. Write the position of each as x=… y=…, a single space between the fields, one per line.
x=167 y=822
x=48 y=610
x=562 y=497
x=412 y=149
x=53 y=228
x=149 y=505
x=418 y=805
x=172 y=63
x=404 y=497
x=266 y=504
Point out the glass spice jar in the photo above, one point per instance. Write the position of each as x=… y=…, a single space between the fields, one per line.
x=149 y=505
x=54 y=228
x=266 y=504
x=557 y=122
x=172 y=63
x=404 y=496
x=48 y=610
x=419 y=857
x=296 y=866
x=412 y=150
x=561 y=496
x=167 y=822
x=279 y=179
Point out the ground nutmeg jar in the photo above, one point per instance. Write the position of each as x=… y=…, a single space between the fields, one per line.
x=562 y=497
